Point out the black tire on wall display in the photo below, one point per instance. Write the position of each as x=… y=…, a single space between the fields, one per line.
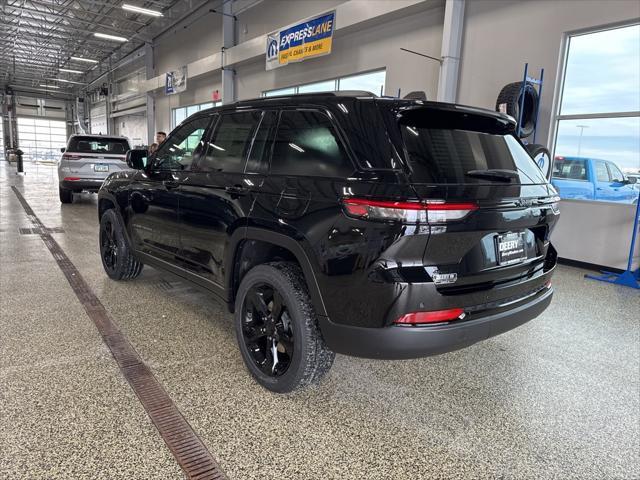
x=509 y=102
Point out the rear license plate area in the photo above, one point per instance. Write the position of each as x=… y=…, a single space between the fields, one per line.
x=101 y=167
x=510 y=248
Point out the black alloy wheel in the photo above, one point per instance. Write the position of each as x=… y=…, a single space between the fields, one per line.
x=277 y=328
x=117 y=258
x=267 y=330
x=109 y=245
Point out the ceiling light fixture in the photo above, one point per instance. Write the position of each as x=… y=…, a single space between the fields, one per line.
x=69 y=70
x=64 y=81
x=106 y=36
x=50 y=86
x=144 y=11
x=80 y=59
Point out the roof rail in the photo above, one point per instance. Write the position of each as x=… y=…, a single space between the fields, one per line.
x=341 y=93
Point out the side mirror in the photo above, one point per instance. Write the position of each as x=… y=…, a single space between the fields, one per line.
x=632 y=180
x=137 y=159
x=62 y=150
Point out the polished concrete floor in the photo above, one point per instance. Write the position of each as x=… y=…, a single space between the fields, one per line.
x=558 y=398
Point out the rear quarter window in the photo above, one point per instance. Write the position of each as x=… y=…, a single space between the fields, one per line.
x=307 y=144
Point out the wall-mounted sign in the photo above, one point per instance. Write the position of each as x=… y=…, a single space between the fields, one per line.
x=175 y=81
x=216 y=96
x=295 y=43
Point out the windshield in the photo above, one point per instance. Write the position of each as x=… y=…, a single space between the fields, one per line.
x=113 y=146
x=446 y=156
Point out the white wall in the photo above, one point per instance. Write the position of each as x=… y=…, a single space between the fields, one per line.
x=199 y=90
x=269 y=15
x=134 y=127
x=179 y=46
x=368 y=49
x=500 y=36
x=596 y=232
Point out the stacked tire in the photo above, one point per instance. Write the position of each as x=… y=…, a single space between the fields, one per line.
x=509 y=101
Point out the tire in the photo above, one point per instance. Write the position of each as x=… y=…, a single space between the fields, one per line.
x=117 y=259
x=66 y=195
x=509 y=103
x=542 y=157
x=293 y=336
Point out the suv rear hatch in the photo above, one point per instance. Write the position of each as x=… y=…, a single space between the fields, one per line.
x=469 y=157
x=95 y=157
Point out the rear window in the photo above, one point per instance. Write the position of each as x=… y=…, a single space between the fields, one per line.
x=113 y=146
x=445 y=156
x=571 y=169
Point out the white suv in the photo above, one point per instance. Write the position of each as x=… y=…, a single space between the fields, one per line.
x=87 y=161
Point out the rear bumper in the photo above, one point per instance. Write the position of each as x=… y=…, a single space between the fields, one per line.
x=400 y=342
x=86 y=184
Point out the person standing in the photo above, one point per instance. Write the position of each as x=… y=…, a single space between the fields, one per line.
x=160 y=137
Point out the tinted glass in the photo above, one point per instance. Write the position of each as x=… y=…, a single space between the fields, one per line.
x=112 y=146
x=602 y=174
x=306 y=144
x=570 y=168
x=446 y=156
x=230 y=144
x=259 y=156
x=183 y=146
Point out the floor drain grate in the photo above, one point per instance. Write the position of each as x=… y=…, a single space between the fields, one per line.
x=39 y=230
x=187 y=448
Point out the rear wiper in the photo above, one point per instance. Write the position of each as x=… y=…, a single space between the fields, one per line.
x=501 y=174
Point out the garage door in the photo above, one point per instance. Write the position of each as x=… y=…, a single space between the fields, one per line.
x=41 y=139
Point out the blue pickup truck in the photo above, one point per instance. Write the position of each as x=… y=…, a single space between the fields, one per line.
x=592 y=179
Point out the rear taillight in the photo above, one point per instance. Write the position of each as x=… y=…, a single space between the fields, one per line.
x=431 y=211
x=69 y=156
x=436 y=316
x=71 y=179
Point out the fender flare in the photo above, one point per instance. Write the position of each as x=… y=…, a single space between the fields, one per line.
x=252 y=233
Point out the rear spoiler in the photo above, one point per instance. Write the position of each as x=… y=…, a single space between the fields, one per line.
x=458 y=118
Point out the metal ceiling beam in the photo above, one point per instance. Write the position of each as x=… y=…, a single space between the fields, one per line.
x=66 y=17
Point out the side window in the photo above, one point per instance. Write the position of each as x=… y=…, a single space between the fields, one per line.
x=306 y=144
x=259 y=155
x=230 y=143
x=602 y=174
x=570 y=169
x=183 y=146
x=616 y=174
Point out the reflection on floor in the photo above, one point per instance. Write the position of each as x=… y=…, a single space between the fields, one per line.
x=556 y=398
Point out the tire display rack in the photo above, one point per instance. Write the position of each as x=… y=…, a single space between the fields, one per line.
x=522 y=100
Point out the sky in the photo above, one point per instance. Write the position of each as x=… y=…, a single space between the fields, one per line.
x=603 y=76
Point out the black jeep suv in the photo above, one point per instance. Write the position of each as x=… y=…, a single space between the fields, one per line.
x=341 y=222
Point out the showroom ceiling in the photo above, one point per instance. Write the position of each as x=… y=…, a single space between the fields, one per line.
x=61 y=45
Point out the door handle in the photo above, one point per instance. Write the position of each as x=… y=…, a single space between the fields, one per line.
x=170 y=184
x=236 y=190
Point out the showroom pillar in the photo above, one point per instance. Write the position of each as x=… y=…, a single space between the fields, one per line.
x=228 y=41
x=451 y=48
x=9 y=121
x=151 y=100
